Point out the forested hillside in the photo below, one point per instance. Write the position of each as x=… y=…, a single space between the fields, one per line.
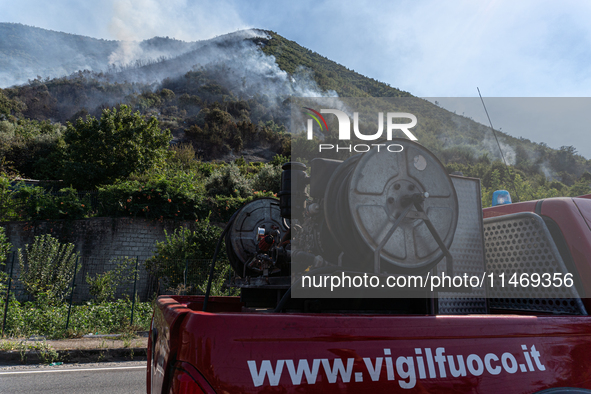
x=28 y=52
x=228 y=98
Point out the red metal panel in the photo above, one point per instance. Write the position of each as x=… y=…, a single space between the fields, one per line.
x=507 y=209
x=168 y=315
x=576 y=233
x=584 y=206
x=557 y=352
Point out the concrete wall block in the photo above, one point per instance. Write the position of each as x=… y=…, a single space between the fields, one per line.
x=99 y=241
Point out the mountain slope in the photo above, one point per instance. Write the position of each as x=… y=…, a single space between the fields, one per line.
x=291 y=57
x=27 y=52
x=230 y=94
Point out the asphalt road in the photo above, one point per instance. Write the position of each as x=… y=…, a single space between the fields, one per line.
x=112 y=378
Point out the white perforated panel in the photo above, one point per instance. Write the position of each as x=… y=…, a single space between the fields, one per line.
x=521 y=244
x=466 y=250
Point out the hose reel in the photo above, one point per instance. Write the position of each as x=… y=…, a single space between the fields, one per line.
x=392 y=212
x=386 y=212
x=385 y=187
x=258 y=225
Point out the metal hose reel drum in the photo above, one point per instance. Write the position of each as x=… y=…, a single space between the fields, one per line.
x=242 y=239
x=373 y=205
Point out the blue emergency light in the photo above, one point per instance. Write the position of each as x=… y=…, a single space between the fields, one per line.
x=501 y=197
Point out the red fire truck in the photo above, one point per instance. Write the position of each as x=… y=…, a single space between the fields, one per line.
x=451 y=298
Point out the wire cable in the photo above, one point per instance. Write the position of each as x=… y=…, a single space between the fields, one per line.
x=499 y=144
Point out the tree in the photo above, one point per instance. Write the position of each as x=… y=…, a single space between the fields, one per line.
x=182 y=258
x=564 y=160
x=8 y=106
x=121 y=142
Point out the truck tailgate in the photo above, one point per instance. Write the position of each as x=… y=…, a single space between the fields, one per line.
x=303 y=353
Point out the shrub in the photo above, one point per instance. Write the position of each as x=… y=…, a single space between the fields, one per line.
x=228 y=181
x=103 y=286
x=10 y=208
x=279 y=160
x=47 y=268
x=184 y=255
x=28 y=145
x=207 y=168
x=4 y=250
x=222 y=208
x=579 y=188
x=39 y=204
x=268 y=179
x=175 y=195
x=183 y=157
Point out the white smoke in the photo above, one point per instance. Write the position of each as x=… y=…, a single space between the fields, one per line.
x=126 y=53
x=548 y=173
x=137 y=20
x=247 y=70
x=235 y=62
x=490 y=144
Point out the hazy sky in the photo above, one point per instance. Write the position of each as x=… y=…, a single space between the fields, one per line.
x=516 y=48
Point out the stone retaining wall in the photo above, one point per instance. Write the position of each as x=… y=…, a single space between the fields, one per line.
x=99 y=241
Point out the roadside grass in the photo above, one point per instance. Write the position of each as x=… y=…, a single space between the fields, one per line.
x=6 y=346
x=27 y=319
x=47 y=354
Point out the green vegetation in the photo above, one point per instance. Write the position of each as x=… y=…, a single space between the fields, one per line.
x=103 y=286
x=102 y=147
x=47 y=354
x=215 y=117
x=523 y=186
x=228 y=181
x=4 y=249
x=300 y=62
x=37 y=203
x=171 y=192
x=47 y=268
x=165 y=194
x=120 y=143
x=29 y=318
x=181 y=261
